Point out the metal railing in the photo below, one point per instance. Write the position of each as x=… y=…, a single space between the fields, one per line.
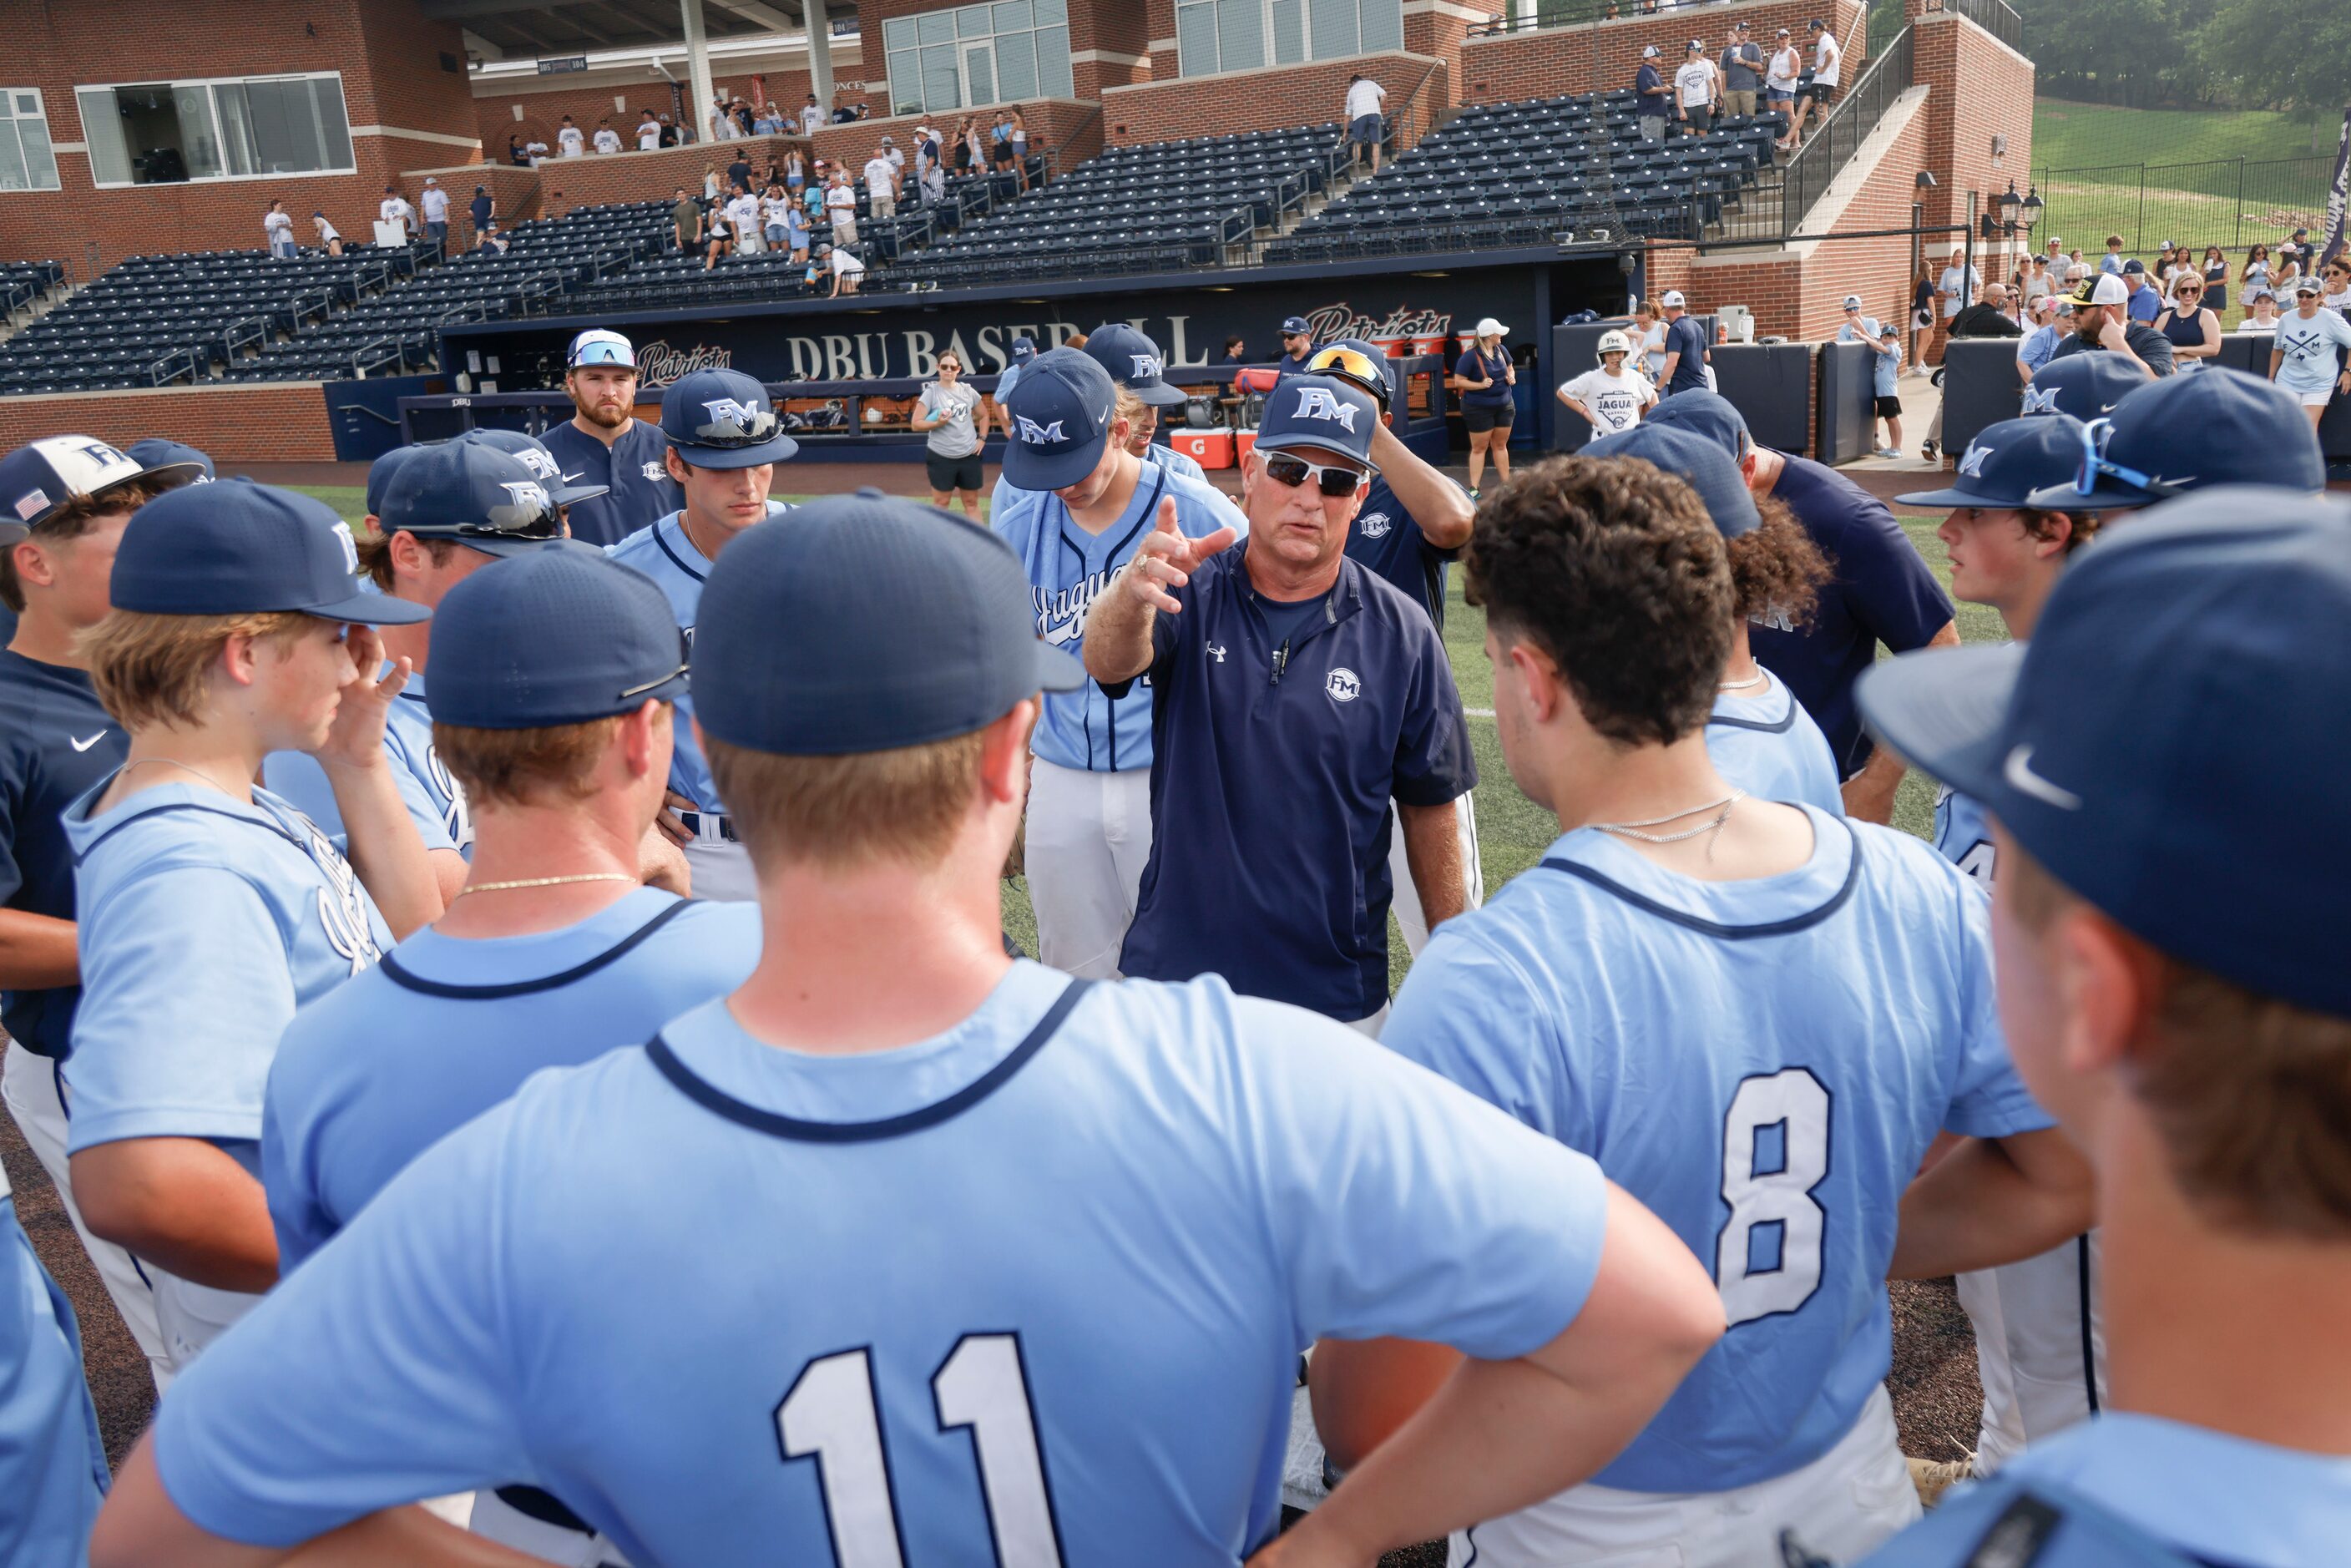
x=1805 y=178
x=1992 y=15
x=2229 y=202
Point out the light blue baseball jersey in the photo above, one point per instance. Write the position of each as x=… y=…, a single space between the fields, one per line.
x=1766 y=743
x=374 y=1072
x=1963 y=835
x=52 y=1465
x=435 y=804
x=1068 y=569
x=1042 y=1279
x=665 y=554
x=204 y=924
x=1181 y=464
x=1763 y=1063
x=2125 y=1488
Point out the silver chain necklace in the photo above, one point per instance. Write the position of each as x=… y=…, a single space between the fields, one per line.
x=1757 y=679
x=1721 y=809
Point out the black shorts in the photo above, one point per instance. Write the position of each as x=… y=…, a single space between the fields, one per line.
x=1480 y=420
x=1822 y=93
x=953 y=473
x=1889 y=407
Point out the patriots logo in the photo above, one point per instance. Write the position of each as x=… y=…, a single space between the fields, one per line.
x=1035 y=435
x=1313 y=402
x=1376 y=524
x=1147 y=367
x=2041 y=400
x=1972 y=464
x=527 y=493
x=732 y=411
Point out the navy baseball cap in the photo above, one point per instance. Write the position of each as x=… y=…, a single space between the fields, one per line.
x=471 y=494
x=1059 y=413
x=1322 y=411
x=2007 y=462
x=1134 y=362
x=2202 y=814
x=1696 y=460
x=536 y=458
x=43 y=475
x=236 y=547
x=1024 y=349
x=170 y=460
x=557 y=634
x=870 y=623
x=2192 y=432
x=1707 y=413
x=722 y=419
x=1295 y=326
x=379 y=473
x=2086 y=386
x=2134 y=266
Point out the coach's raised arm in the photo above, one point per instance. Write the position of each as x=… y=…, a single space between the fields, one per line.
x=1118 y=644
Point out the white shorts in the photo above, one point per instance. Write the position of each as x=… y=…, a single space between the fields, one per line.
x=29 y=1082
x=1089 y=840
x=1407 y=902
x=2318 y=399
x=2040 y=1350
x=491 y=1518
x=192 y=1316
x=720 y=867
x=1841 y=1506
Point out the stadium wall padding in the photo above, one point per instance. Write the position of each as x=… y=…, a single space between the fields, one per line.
x=1848 y=388
x=1771 y=385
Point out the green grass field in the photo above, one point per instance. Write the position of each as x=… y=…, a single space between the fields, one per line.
x=2068 y=135
x=1512 y=832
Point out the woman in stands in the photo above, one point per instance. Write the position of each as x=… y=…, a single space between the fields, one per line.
x=2193 y=329
x=720 y=238
x=1650 y=333
x=795 y=171
x=1018 y=137
x=278 y=228
x=2257 y=275
x=1486 y=376
x=2216 y=278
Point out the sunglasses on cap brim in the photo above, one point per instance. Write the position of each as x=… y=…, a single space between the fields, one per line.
x=2094 y=463
x=1334 y=479
x=759 y=429
x=1354 y=365
x=604 y=354
x=684 y=664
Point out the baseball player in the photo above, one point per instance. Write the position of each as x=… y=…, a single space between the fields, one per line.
x=604 y=444
x=1135 y=362
x=64 y=503
x=1075 y=503
x=1758 y=736
x=1610 y=399
x=1297 y=701
x=210 y=908
x=1827 y=985
x=559 y=673
x=2182 y=434
x=53 y=1471
x=2086 y=386
x=725 y=441
x=2038 y=1335
x=2167 y=917
x=1412 y=524
x=456 y=507
x=159 y=451
x=819 y=1274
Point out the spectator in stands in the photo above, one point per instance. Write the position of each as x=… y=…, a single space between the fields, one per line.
x=1684 y=367
x=277 y=230
x=2257 y=276
x=2290 y=272
x=1742 y=72
x=569 y=141
x=2307 y=359
x=795 y=170
x=742 y=221
x=1986 y=317
x=516 y=154
x=795 y=231
x=493 y=241
x=1780 y=75
x=607 y=139
x=1828 y=67
x=955 y=418
x=881 y=186
x=1697 y=87
x=2144 y=303
x=2297 y=248
x=740 y=112
x=2335 y=282
x=685 y=221
x=673 y=135
x=775 y=218
x=330 y=240
x=2101 y=325
x=394 y=209
x=841 y=208
x=2051 y=319
x=483 y=206
x=2216 y=278
x=649 y=132
x=1922 y=310
x=537 y=148
x=711 y=183
x=2263 y=315
x=436 y=212
x=975 y=154
x=932 y=181
x=2113 y=258
x=1957 y=285
x=1484 y=376
x=846 y=269
x=722 y=124
x=999 y=144
x=717 y=238
x=1018 y=133
x=739 y=174
x=1857 y=328
x=2192 y=329
x=2034 y=283
x=1652 y=101
x=898 y=157
x=764 y=122
x=811 y=116
x=1365 y=117
x=1297 y=346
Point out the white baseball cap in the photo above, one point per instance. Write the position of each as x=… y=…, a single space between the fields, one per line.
x=1673 y=298
x=2108 y=289
x=2306 y=284
x=1852 y=302
x=1614 y=342
x=1490 y=328
x=1649 y=52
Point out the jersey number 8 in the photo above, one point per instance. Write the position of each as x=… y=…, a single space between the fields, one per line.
x=1775 y=1150
x=831 y=1413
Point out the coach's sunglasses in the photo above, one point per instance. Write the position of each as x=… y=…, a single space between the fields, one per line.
x=2094 y=463
x=1356 y=366
x=1332 y=479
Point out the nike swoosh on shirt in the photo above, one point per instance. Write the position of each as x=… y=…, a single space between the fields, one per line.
x=86 y=745
x=2020 y=774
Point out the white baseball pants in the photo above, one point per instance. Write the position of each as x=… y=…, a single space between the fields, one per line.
x=29 y=1082
x=1841 y=1506
x=1088 y=839
x=2039 y=1343
x=1406 y=903
x=720 y=867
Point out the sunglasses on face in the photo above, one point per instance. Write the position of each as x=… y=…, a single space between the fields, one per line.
x=2094 y=463
x=1332 y=479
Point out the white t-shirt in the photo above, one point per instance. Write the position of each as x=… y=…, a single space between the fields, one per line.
x=278 y=227
x=1780 y=75
x=1695 y=83
x=846 y=265
x=396 y=210
x=1828 y=61
x=743 y=215
x=897 y=159
x=811 y=117
x=436 y=205
x=1615 y=402
x=1960 y=286
x=1363 y=98
x=648 y=136
x=607 y=139
x=327 y=231
x=878 y=173
x=2309 y=365
x=840 y=203
x=534 y=149
x=772 y=210
x=572 y=141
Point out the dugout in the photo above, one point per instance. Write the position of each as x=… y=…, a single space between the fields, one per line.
x=1770 y=384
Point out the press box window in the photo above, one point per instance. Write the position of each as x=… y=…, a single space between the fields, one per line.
x=1004 y=52
x=26 y=161
x=233 y=128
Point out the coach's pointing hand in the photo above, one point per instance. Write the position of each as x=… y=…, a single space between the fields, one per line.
x=1166 y=559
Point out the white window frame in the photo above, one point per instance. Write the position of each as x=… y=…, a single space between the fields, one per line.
x=1269 y=54
x=212 y=98
x=963 y=43
x=9 y=119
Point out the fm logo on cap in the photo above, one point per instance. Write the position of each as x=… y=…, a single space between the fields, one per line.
x=1313 y=402
x=528 y=493
x=1147 y=367
x=1972 y=464
x=1035 y=435
x=740 y=414
x=2042 y=401
x=350 y=551
x=540 y=463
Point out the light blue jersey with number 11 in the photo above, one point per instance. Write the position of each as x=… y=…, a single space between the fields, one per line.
x=1039 y=1281
x=1763 y=1063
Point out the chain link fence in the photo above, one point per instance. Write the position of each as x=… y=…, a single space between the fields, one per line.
x=2231 y=202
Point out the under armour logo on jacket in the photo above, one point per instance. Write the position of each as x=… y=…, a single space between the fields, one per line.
x=735 y=413
x=1313 y=402
x=1035 y=435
